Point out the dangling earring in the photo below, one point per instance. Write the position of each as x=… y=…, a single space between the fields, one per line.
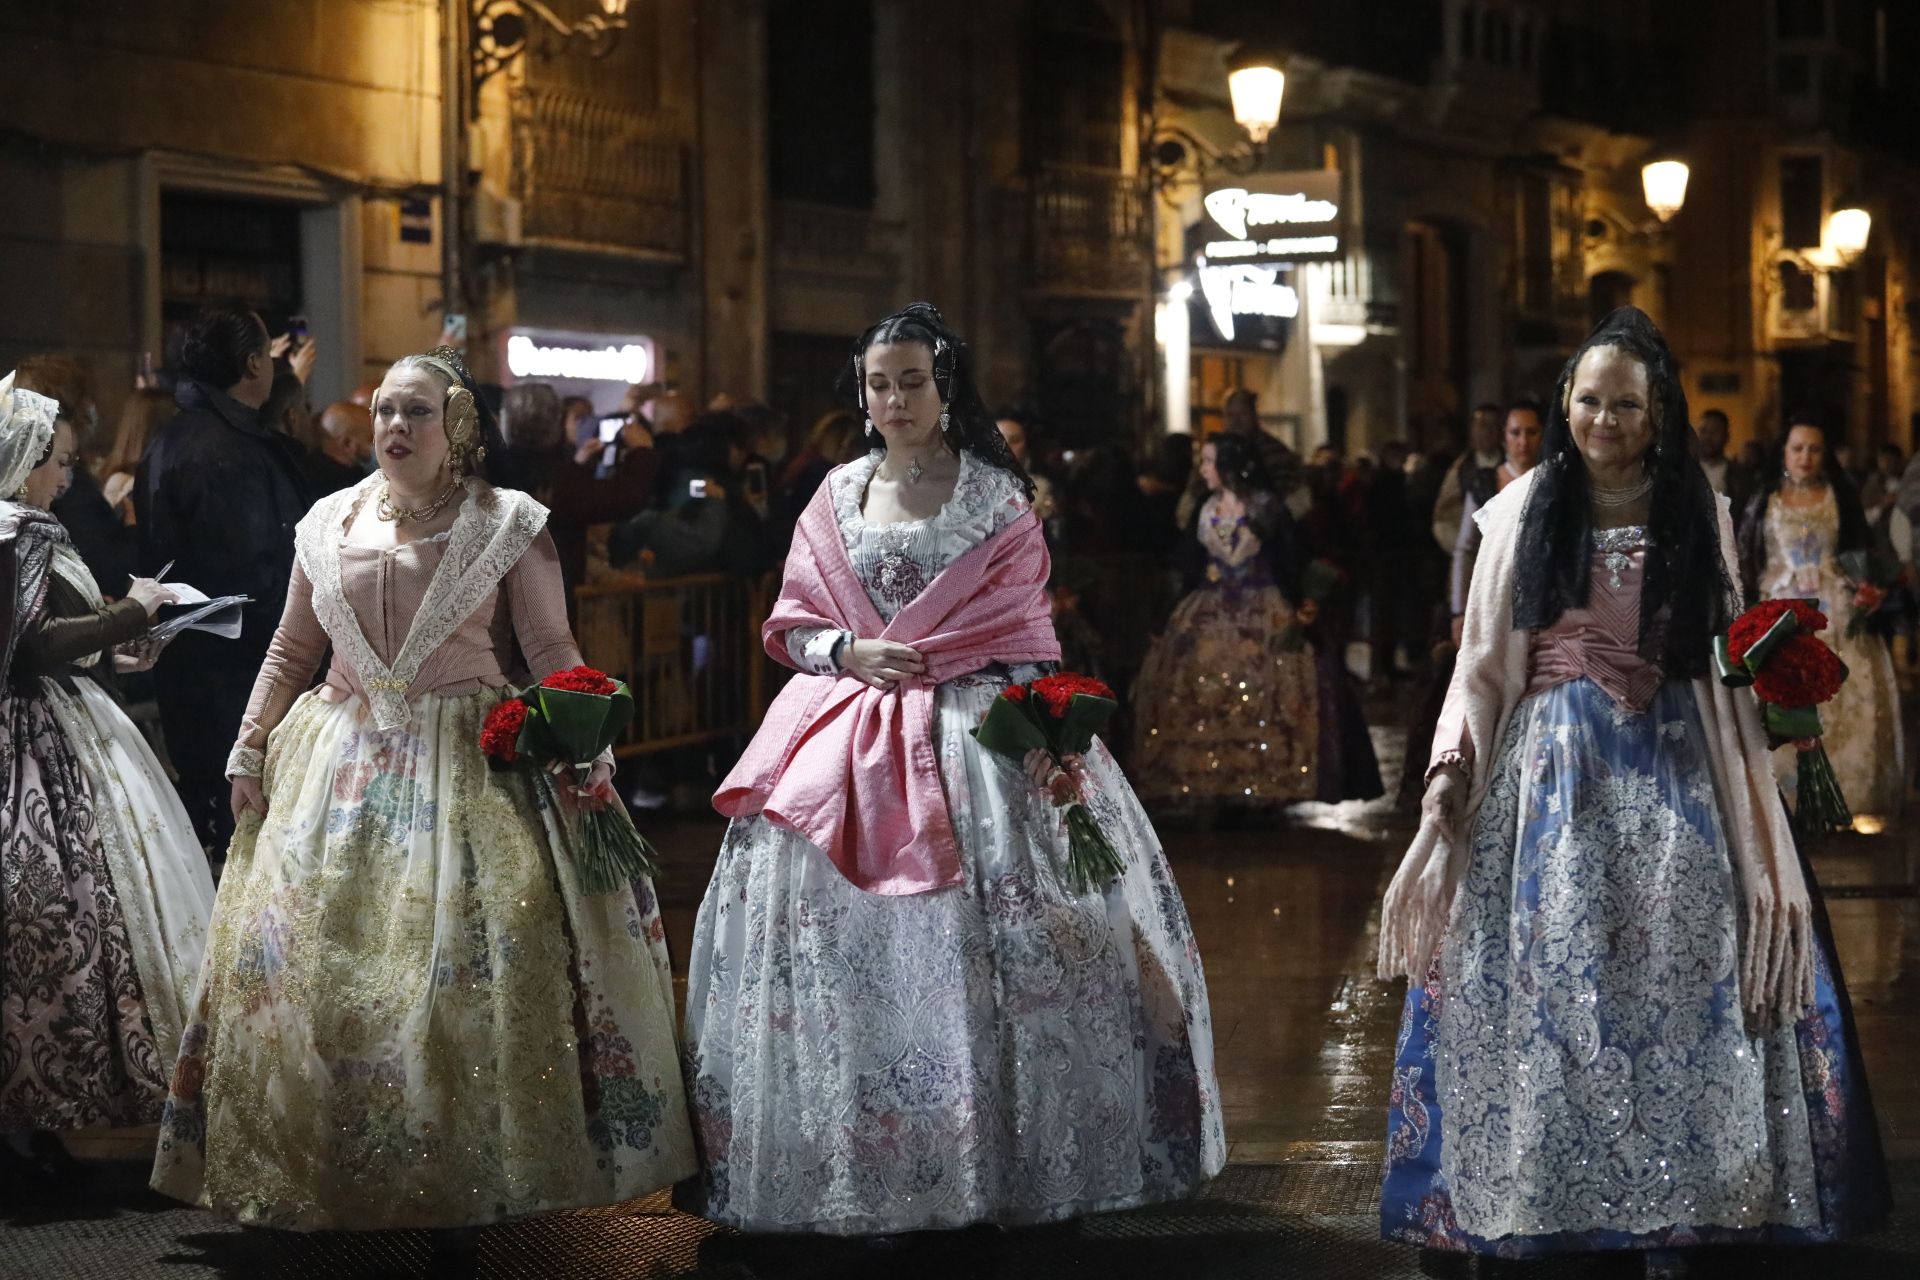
x=945 y=423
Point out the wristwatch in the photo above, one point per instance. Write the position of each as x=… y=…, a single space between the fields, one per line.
x=833 y=654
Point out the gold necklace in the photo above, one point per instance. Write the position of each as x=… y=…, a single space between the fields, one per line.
x=401 y=515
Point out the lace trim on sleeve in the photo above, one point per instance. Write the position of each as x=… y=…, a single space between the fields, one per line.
x=246 y=762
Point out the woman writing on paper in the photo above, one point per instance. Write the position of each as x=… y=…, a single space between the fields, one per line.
x=107 y=892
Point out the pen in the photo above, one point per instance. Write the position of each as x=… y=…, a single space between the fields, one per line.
x=164 y=569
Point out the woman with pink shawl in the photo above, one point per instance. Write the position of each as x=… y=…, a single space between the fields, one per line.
x=900 y=1014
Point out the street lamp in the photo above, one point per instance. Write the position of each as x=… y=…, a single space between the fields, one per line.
x=1665 y=185
x=501 y=29
x=1255 y=85
x=1847 y=231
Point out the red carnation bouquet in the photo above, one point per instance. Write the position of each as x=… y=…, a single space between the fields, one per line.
x=569 y=719
x=1874 y=575
x=1059 y=715
x=1776 y=648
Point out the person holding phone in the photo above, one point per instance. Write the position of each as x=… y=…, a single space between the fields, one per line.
x=702 y=527
x=541 y=458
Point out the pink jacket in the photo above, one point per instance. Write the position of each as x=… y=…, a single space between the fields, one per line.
x=851 y=767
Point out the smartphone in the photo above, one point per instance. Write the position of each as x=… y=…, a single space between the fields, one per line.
x=610 y=428
x=696 y=488
x=297 y=329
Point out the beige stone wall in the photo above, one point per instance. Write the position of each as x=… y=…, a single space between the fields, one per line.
x=326 y=104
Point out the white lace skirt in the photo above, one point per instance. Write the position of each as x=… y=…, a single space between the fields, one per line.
x=410 y=1015
x=1003 y=1051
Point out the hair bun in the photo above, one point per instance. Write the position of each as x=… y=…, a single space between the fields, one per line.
x=925 y=311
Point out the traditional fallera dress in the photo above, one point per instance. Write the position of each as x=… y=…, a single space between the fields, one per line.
x=411 y=1016
x=1863 y=733
x=888 y=1030
x=1225 y=709
x=1588 y=1063
x=107 y=891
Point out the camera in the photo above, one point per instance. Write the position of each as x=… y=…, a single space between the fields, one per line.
x=696 y=488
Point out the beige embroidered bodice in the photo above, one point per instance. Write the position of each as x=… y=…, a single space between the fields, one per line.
x=475 y=607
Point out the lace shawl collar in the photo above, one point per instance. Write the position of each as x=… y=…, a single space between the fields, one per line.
x=28 y=537
x=492 y=531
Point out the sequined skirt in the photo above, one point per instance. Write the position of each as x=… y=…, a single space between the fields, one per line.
x=410 y=1016
x=1575 y=1073
x=1224 y=712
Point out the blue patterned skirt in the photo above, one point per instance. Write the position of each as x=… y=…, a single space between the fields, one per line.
x=1575 y=1073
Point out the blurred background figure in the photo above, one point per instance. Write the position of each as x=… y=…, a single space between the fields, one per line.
x=344 y=453
x=1015 y=433
x=541 y=458
x=219 y=493
x=833 y=439
x=108 y=548
x=140 y=416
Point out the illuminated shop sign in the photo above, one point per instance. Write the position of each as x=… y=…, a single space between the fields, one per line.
x=1274 y=217
x=537 y=355
x=1238 y=290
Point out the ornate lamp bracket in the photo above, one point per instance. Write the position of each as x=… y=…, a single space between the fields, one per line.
x=500 y=30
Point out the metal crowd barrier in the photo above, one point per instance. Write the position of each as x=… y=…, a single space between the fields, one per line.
x=689 y=648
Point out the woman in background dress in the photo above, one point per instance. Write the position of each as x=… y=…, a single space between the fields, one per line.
x=1806 y=515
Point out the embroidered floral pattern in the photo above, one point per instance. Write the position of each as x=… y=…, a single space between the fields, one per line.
x=1864 y=737
x=76 y=1046
x=388 y=1033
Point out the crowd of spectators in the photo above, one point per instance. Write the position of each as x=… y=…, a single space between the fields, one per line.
x=210 y=474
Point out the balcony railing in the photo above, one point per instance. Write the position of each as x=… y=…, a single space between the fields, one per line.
x=592 y=174
x=1090 y=232
x=823 y=237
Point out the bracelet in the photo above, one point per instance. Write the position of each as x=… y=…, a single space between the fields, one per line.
x=246 y=762
x=1450 y=761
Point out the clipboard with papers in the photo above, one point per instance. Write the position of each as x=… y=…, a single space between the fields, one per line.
x=219 y=616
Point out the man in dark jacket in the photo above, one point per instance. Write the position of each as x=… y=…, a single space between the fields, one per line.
x=218 y=496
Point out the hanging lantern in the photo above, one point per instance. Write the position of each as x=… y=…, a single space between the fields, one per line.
x=1256 y=89
x=1665 y=184
x=1847 y=231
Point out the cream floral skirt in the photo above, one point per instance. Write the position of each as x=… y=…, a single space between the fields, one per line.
x=410 y=1015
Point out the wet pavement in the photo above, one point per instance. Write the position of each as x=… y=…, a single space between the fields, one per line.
x=1304 y=1037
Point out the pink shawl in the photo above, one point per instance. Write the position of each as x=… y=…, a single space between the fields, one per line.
x=850 y=767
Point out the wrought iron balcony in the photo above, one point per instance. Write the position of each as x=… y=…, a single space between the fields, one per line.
x=595 y=176
x=1089 y=233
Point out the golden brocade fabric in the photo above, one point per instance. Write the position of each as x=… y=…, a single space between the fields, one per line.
x=411 y=1016
x=1224 y=710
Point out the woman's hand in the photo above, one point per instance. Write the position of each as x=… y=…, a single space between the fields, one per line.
x=150 y=594
x=595 y=793
x=1446 y=798
x=1059 y=783
x=247 y=796
x=588 y=451
x=881 y=663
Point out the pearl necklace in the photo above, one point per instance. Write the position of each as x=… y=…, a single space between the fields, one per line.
x=1620 y=497
x=401 y=515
